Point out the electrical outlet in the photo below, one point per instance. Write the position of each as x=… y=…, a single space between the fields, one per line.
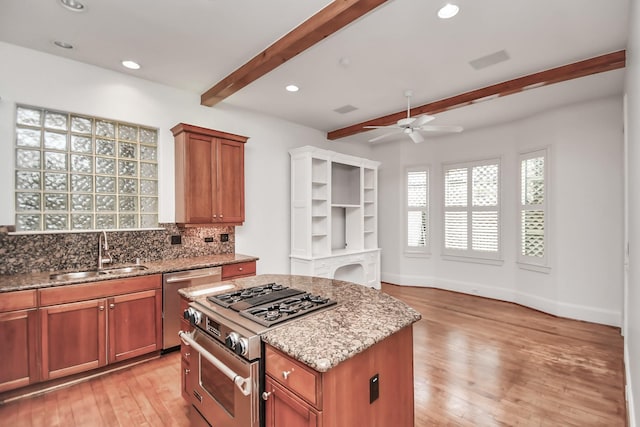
x=374 y=388
x=224 y=237
x=176 y=240
x=208 y=239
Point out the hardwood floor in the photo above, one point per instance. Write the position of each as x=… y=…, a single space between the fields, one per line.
x=478 y=362
x=147 y=394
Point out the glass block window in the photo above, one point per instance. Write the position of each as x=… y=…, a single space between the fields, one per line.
x=533 y=207
x=417 y=210
x=472 y=209
x=77 y=172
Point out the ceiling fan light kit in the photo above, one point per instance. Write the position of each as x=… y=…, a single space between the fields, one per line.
x=412 y=126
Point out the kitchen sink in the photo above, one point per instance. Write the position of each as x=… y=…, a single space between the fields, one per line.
x=95 y=273
x=124 y=270
x=76 y=275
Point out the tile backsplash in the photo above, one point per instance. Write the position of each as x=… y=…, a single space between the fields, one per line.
x=30 y=253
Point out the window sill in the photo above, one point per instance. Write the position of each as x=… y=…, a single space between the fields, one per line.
x=110 y=230
x=534 y=267
x=486 y=261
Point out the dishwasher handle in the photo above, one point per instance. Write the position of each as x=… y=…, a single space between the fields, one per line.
x=193 y=275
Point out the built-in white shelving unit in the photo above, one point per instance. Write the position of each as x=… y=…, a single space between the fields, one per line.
x=334 y=227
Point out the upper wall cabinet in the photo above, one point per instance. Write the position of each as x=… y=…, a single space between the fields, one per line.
x=209 y=176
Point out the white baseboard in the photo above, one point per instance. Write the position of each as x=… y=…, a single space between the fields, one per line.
x=631 y=414
x=557 y=308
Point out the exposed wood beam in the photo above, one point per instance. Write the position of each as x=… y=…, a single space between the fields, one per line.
x=599 y=64
x=329 y=20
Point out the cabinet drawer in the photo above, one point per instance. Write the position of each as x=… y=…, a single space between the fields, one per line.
x=240 y=269
x=17 y=300
x=294 y=375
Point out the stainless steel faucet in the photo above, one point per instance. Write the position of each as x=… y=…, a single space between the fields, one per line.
x=104 y=257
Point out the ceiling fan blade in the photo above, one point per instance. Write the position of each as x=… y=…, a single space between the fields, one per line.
x=421 y=120
x=416 y=137
x=377 y=138
x=442 y=128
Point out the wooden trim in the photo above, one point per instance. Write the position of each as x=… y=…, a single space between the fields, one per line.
x=183 y=127
x=18 y=300
x=326 y=22
x=102 y=289
x=599 y=64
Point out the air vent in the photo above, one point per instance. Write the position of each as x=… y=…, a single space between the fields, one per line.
x=345 y=109
x=488 y=60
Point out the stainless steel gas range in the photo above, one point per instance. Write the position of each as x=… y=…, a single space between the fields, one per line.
x=227 y=373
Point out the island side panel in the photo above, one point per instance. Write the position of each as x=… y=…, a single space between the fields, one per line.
x=346 y=387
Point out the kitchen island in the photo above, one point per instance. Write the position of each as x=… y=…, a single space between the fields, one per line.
x=349 y=364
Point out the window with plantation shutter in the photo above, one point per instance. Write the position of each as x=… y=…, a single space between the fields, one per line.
x=472 y=209
x=417 y=210
x=533 y=208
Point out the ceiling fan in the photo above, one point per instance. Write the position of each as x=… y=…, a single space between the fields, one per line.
x=412 y=125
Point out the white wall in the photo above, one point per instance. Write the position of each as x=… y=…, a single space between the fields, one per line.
x=632 y=328
x=585 y=217
x=30 y=77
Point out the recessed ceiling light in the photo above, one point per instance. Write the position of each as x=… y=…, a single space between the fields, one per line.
x=292 y=88
x=73 y=5
x=62 y=44
x=132 y=65
x=448 y=11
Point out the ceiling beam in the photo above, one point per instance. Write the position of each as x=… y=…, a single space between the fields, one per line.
x=329 y=20
x=599 y=64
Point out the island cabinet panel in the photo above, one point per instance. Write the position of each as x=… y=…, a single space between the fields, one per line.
x=19 y=344
x=209 y=168
x=73 y=338
x=343 y=396
x=283 y=408
x=135 y=324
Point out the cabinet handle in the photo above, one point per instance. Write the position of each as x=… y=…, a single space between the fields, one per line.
x=187 y=354
x=239 y=268
x=220 y=215
x=101 y=308
x=186 y=371
x=265 y=395
x=285 y=374
x=112 y=306
x=215 y=216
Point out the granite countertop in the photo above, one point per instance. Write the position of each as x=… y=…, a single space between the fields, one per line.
x=362 y=317
x=27 y=281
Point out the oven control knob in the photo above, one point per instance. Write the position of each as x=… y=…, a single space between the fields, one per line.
x=242 y=347
x=193 y=316
x=232 y=340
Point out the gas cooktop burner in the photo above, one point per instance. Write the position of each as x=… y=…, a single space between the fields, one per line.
x=272 y=303
x=287 y=309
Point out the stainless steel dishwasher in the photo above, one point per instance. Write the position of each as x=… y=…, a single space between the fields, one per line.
x=171 y=314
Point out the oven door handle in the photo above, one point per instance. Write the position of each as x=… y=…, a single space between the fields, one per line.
x=244 y=384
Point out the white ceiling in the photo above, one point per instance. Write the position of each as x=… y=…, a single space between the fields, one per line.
x=193 y=44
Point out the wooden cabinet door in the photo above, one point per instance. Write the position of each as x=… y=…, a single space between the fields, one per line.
x=230 y=182
x=199 y=176
x=18 y=349
x=283 y=408
x=135 y=324
x=73 y=338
